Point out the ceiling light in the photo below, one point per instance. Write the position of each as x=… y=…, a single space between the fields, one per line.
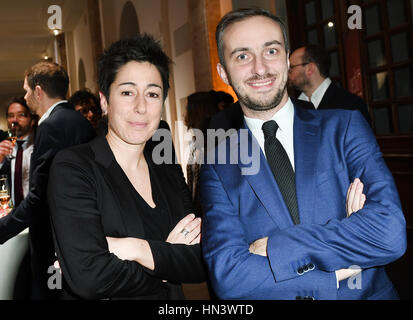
x=331 y=24
x=56 y=32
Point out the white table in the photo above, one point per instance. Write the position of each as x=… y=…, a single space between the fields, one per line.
x=11 y=255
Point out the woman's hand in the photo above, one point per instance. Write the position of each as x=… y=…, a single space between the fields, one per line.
x=132 y=249
x=187 y=231
x=355 y=197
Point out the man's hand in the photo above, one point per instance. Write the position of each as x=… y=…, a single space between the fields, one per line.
x=6 y=148
x=355 y=202
x=355 y=197
x=4 y=213
x=343 y=274
x=259 y=247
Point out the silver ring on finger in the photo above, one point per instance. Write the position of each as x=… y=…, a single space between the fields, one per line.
x=184 y=232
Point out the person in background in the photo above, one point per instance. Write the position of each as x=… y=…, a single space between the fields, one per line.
x=283 y=231
x=88 y=105
x=201 y=106
x=223 y=99
x=309 y=74
x=122 y=225
x=59 y=127
x=23 y=124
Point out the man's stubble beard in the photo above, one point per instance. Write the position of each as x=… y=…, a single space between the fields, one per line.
x=299 y=85
x=259 y=105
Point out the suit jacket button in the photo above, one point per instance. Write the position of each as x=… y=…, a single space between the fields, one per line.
x=300 y=271
x=305 y=268
x=311 y=266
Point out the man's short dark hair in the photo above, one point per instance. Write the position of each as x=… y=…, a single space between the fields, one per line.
x=320 y=57
x=19 y=100
x=51 y=77
x=86 y=98
x=142 y=48
x=242 y=14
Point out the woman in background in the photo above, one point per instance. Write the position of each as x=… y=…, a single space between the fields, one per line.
x=200 y=108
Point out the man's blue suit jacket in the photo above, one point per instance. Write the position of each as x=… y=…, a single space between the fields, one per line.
x=331 y=149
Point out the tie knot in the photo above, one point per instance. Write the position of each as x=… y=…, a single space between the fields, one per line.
x=270 y=129
x=20 y=143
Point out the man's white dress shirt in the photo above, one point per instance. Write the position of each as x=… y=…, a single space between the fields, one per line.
x=285 y=120
x=318 y=94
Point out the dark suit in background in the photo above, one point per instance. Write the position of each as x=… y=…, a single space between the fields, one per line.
x=338 y=98
x=63 y=128
x=3 y=135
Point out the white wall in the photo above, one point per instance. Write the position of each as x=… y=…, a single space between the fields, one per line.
x=82 y=49
x=183 y=75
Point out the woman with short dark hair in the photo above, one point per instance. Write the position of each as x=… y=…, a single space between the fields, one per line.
x=123 y=226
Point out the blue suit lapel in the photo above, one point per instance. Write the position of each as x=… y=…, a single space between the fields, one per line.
x=306 y=148
x=265 y=187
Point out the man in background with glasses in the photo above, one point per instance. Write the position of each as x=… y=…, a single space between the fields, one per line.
x=60 y=126
x=22 y=124
x=88 y=105
x=309 y=74
x=15 y=164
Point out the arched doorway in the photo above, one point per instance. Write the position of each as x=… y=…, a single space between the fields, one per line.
x=129 y=25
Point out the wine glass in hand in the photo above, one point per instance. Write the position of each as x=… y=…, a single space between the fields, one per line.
x=12 y=137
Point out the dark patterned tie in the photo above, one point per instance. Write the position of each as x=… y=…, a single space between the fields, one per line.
x=281 y=168
x=18 y=174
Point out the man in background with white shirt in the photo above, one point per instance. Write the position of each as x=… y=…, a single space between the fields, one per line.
x=59 y=127
x=309 y=74
x=22 y=123
x=20 y=119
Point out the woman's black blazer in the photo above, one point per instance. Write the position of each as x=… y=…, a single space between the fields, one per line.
x=90 y=199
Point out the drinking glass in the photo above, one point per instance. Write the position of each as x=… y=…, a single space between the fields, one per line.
x=12 y=137
x=4 y=192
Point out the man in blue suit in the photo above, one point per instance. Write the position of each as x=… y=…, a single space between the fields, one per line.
x=261 y=242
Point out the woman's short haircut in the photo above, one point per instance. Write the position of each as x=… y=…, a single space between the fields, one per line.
x=142 y=48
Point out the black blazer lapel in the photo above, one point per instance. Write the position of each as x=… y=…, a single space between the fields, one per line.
x=120 y=187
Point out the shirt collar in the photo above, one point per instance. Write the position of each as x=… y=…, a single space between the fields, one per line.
x=49 y=111
x=284 y=118
x=318 y=94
